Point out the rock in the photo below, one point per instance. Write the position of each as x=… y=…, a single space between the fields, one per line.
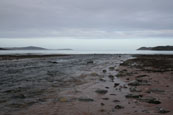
x=102 y=104
x=145 y=111
x=116 y=101
x=138 y=83
x=161 y=110
x=107 y=87
x=101 y=79
x=54 y=62
x=141 y=80
x=151 y=100
x=124 y=86
x=134 y=83
x=116 y=84
x=86 y=99
x=155 y=91
x=104 y=71
x=139 y=76
x=21 y=96
x=119 y=107
x=111 y=77
x=134 y=89
x=133 y=96
x=90 y=62
x=105 y=98
x=102 y=110
x=111 y=68
x=101 y=91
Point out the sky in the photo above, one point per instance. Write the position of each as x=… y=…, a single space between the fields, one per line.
x=66 y=22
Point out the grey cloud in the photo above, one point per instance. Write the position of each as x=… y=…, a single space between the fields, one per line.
x=86 y=18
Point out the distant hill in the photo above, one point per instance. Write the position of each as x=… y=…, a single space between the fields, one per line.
x=3 y=49
x=158 y=48
x=23 y=48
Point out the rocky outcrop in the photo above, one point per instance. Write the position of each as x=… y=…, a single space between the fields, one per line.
x=158 y=48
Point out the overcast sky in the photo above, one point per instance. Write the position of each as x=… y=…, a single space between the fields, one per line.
x=86 y=18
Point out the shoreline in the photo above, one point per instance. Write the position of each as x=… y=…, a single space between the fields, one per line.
x=97 y=84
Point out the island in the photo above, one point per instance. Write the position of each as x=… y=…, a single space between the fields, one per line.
x=157 y=48
x=23 y=48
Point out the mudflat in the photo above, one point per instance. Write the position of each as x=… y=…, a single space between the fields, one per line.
x=86 y=84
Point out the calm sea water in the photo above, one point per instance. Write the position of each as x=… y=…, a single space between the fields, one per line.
x=4 y=52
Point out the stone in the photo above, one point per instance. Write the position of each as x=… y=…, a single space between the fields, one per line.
x=105 y=98
x=90 y=62
x=119 y=107
x=151 y=100
x=107 y=87
x=134 y=89
x=104 y=71
x=111 y=68
x=134 y=83
x=102 y=104
x=155 y=91
x=101 y=91
x=116 y=101
x=111 y=77
x=137 y=96
x=161 y=110
x=116 y=84
x=101 y=79
x=86 y=99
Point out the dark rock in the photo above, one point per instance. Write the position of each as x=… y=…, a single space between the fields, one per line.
x=139 y=76
x=101 y=79
x=151 y=100
x=104 y=71
x=138 y=83
x=116 y=84
x=119 y=107
x=105 y=98
x=111 y=68
x=116 y=101
x=90 y=62
x=141 y=80
x=107 y=87
x=54 y=62
x=21 y=96
x=161 y=110
x=134 y=89
x=134 y=83
x=133 y=96
x=102 y=104
x=101 y=91
x=111 y=77
x=155 y=91
x=86 y=99
x=102 y=110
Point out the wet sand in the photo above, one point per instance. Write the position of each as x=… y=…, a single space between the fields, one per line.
x=86 y=85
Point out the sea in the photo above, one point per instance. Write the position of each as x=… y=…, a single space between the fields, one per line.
x=42 y=52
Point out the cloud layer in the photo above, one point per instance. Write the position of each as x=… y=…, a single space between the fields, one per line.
x=86 y=18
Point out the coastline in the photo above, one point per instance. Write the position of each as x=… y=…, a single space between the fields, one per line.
x=97 y=84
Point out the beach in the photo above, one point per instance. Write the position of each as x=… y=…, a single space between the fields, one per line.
x=88 y=84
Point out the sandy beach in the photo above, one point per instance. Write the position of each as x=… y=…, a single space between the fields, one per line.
x=86 y=84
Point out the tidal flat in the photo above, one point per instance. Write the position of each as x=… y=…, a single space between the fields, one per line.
x=94 y=84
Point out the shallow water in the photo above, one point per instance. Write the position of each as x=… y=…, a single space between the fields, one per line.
x=2 y=52
x=26 y=82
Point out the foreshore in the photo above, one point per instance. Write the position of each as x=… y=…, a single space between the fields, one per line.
x=86 y=84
